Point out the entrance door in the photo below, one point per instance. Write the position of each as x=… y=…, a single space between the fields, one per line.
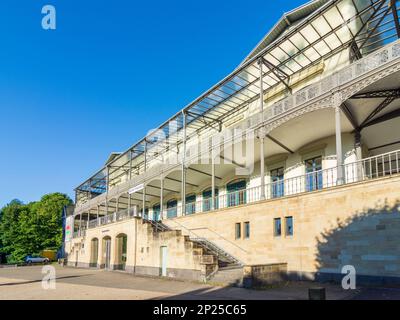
x=164 y=257
x=107 y=254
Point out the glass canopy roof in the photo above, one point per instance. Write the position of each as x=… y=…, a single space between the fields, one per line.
x=310 y=36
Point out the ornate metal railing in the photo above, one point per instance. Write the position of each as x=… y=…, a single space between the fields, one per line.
x=387 y=164
x=314 y=91
x=383 y=165
x=304 y=97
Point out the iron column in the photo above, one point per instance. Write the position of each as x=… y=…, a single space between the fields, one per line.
x=261 y=133
x=339 y=155
x=183 y=191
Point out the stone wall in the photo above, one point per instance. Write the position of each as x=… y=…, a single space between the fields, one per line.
x=264 y=275
x=143 y=250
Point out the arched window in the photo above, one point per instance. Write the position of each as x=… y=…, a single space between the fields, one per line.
x=172 y=208
x=190 y=202
x=236 y=193
x=207 y=199
x=156 y=212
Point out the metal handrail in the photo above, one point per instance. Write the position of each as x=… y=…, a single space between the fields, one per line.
x=195 y=237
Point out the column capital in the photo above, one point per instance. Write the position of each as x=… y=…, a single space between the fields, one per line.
x=261 y=133
x=337 y=99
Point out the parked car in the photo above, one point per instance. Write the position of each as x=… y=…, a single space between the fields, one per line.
x=36 y=259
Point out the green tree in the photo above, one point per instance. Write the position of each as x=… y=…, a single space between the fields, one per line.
x=30 y=228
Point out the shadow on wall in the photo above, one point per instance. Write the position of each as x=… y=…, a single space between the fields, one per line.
x=369 y=241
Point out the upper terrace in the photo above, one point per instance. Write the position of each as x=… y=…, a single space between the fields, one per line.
x=321 y=48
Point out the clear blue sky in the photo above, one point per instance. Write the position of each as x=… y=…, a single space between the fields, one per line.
x=110 y=72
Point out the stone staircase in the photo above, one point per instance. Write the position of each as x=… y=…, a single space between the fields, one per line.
x=225 y=269
x=220 y=267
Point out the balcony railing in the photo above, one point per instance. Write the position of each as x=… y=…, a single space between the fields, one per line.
x=387 y=164
x=383 y=165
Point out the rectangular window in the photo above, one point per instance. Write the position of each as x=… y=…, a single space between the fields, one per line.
x=247 y=230
x=238 y=233
x=289 y=226
x=277 y=227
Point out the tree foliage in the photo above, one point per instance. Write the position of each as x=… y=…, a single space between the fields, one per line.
x=29 y=228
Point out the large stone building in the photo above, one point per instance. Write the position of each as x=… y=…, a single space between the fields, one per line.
x=290 y=163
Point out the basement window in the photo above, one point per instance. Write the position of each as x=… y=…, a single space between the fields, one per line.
x=247 y=230
x=289 y=226
x=238 y=233
x=277 y=227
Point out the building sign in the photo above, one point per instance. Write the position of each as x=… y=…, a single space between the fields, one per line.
x=136 y=189
x=69 y=228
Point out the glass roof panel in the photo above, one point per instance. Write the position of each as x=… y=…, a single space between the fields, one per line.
x=270 y=81
x=361 y=5
x=333 y=41
x=279 y=54
x=309 y=33
x=271 y=59
x=289 y=48
x=302 y=60
x=292 y=65
x=229 y=88
x=355 y=25
x=333 y=17
x=254 y=71
x=321 y=48
x=224 y=94
x=347 y=9
x=344 y=34
x=321 y=26
x=244 y=77
x=299 y=41
x=312 y=54
x=237 y=82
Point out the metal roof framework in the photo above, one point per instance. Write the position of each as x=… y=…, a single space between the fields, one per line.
x=323 y=28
